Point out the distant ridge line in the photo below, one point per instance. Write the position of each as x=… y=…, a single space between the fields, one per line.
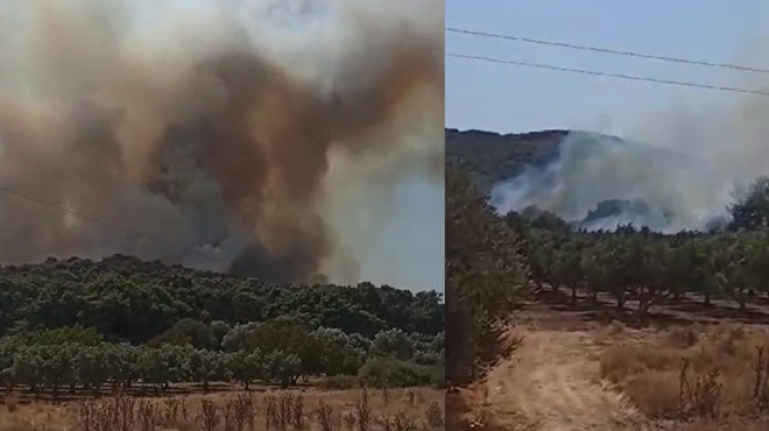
x=530 y=134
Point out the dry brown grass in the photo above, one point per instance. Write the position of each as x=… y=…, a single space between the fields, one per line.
x=352 y=410
x=701 y=378
x=615 y=378
x=465 y=413
x=687 y=368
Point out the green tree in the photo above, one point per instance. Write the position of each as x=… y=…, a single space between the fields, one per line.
x=281 y=367
x=205 y=366
x=752 y=210
x=92 y=368
x=486 y=275
x=393 y=342
x=29 y=368
x=187 y=331
x=246 y=367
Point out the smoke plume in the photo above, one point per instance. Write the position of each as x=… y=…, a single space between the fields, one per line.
x=600 y=182
x=215 y=134
x=680 y=171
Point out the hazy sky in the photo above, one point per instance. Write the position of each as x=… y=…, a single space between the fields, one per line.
x=413 y=240
x=507 y=98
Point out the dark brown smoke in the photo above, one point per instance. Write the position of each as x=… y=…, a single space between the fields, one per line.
x=210 y=156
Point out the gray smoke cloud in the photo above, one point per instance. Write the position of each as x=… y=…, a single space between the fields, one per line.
x=226 y=135
x=680 y=170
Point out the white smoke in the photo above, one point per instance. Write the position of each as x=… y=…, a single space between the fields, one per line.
x=683 y=183
x=687 y=161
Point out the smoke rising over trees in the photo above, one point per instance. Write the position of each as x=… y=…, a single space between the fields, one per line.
x=200 y=136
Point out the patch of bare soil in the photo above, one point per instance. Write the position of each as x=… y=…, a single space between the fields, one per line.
x=553 y=384
x=618 y=378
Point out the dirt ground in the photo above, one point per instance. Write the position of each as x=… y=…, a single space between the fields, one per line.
x=235 y=411
x=24 y=395
x=583 y=369
x=555 y=310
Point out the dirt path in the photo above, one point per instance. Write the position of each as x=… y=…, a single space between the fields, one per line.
x=554 y=383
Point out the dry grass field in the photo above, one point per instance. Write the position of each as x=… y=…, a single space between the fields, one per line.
x=310 y=409
x=573 y=372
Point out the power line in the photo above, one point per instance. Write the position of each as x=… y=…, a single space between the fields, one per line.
x=608 y=50
x=79 y=215
x=65 y=210
x=607 y=74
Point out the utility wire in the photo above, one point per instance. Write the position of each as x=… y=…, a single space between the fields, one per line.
x=607 y=50
x=607 y=74
x=65 y=210
x=82 y=216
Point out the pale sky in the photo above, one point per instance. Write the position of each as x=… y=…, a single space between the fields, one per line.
x=506 y=98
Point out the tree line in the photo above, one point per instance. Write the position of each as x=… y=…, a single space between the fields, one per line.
x=646 y=267
x=277 y=352
x=128 y=300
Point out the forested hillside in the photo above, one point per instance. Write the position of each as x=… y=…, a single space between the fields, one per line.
x=130 y=300
x=488 y=158
x=122 y=320
x=630 y=264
